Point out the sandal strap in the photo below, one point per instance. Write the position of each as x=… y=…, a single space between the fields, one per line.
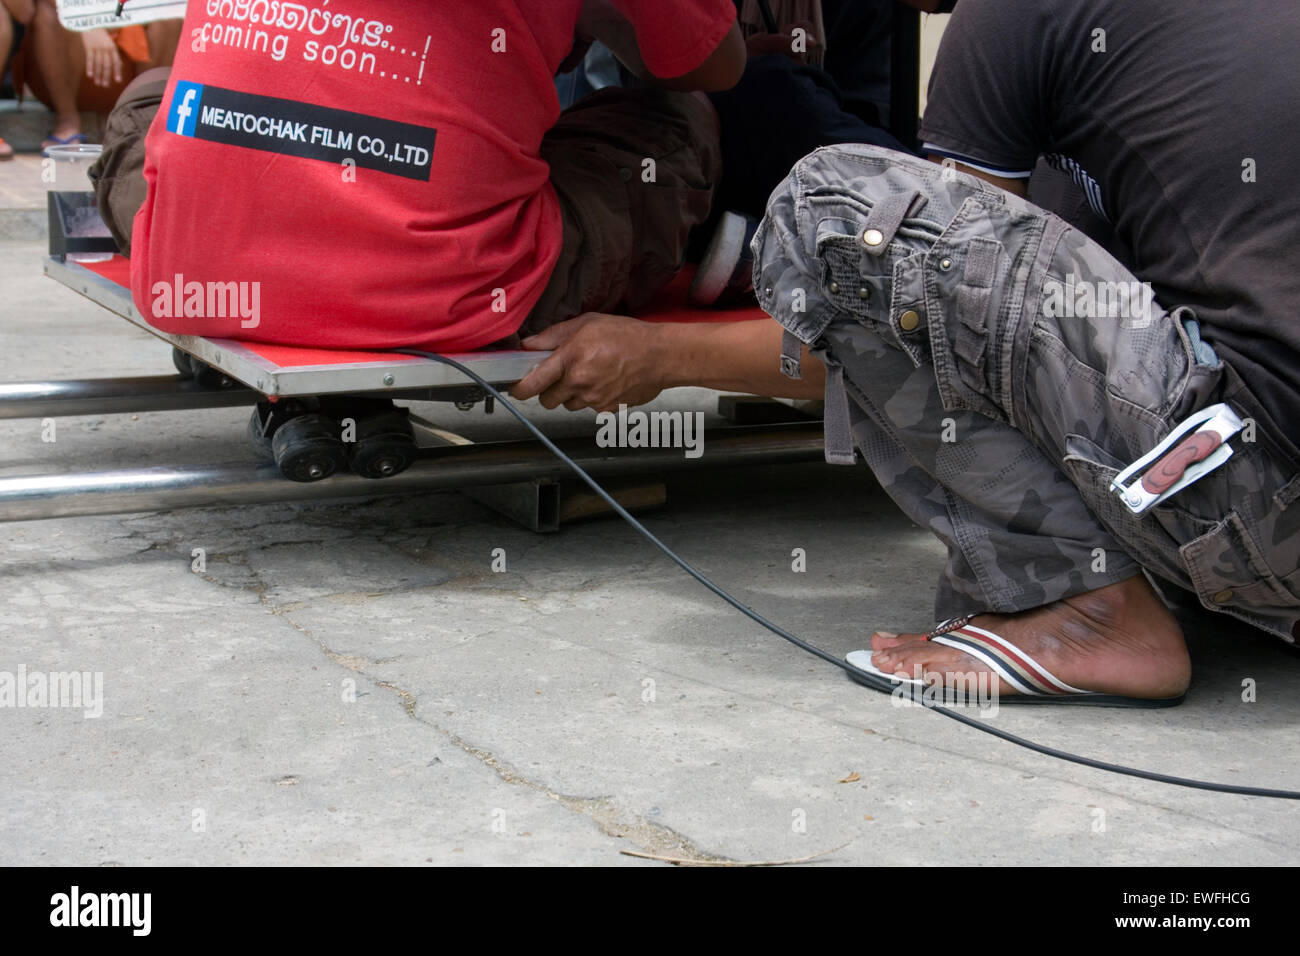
x=1008 y=661
x=945 y=627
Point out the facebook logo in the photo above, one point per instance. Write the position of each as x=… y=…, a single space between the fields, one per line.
x=184 y=112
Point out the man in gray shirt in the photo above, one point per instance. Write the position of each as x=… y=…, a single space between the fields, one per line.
x=1071 y=425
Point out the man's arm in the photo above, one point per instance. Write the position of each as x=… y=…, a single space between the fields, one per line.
x=602 y=361
x=721 y=70
x=988 y=92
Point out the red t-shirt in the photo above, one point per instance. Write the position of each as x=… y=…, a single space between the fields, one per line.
x=368 y=183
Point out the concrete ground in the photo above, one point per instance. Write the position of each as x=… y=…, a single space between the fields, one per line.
x=351 y=682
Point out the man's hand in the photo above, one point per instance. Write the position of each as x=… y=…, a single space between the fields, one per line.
x=721 y=70
x=599 y=361
x=761 y=44
x=602 y=361
x=103 y=64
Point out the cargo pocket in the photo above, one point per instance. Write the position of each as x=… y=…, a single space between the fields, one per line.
x=970 y=342
x=1228 y=570
x=906 y=306
x=1289 y=494
x=976 y=275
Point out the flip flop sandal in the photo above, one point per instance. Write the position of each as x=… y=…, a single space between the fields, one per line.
x=76 y=139
x=1034 y=683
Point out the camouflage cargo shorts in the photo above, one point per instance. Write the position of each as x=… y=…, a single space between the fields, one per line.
x=995 y=400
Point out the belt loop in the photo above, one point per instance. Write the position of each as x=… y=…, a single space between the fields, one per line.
x=837 y=430
x=884 y=219
x=791 y=355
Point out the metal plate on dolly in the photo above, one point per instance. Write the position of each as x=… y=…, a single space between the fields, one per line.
x=238 y=360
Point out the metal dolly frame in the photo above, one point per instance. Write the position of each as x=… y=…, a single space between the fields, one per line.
x=520 y=479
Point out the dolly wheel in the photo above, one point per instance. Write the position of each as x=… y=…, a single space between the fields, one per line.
x=209 y=377
x=182 y=362
x=257 y=437
x=385 y=443
x=382 y=456
x=308 y=448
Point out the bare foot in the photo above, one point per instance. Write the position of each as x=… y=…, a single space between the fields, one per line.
x=1119 y=639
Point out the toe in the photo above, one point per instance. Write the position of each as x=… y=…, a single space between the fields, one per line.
x=893 y=652
x=881 y=640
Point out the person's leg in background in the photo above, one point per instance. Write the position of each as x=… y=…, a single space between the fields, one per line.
x=15 y=17
x=73 y=72
x=162 y=37
x=54 y=64
x=1000 y=427
x=635 y=172
x=6 y=47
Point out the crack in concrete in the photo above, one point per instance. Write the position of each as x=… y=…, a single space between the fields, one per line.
x=603 y=812
x=608 y=818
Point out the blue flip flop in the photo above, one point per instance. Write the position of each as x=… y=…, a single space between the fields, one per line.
x=76 y=139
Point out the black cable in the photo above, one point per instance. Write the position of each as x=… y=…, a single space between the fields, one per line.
x=857 y=672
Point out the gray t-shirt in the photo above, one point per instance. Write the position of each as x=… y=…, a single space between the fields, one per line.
x=1179 y=120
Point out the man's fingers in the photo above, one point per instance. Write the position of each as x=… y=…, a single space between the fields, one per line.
x=542 y=341
x=103 y=65
x=557 y=334
x=546 y=374
x=558 y=394
x=103 y=69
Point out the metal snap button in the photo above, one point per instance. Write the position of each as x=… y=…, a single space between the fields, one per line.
x=909 y=320
x=873 y=237
x=1223 y=597
x=835 y=287
x=945 y=264
x=864 y=292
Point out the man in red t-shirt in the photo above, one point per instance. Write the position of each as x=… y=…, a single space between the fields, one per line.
x=398 y=173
